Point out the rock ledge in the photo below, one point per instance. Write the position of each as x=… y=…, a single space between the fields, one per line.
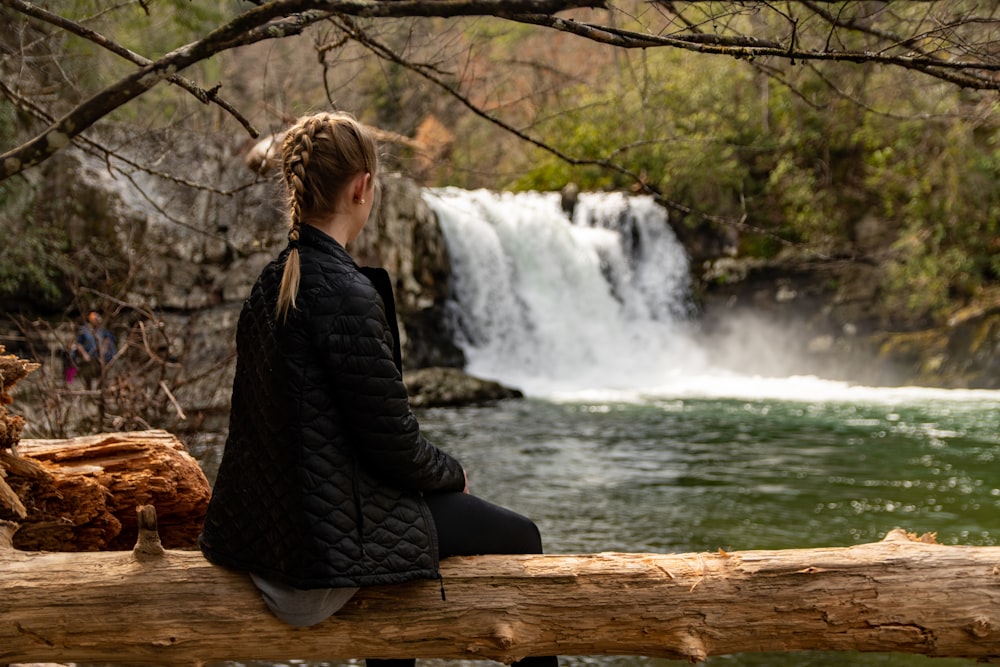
x=441 y=387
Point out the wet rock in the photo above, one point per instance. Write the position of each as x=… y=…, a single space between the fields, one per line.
x=441 y=387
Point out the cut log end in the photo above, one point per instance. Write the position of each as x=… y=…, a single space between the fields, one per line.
x=148 y=543
x=82 y=493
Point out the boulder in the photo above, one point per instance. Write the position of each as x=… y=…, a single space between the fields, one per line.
x=441 y=387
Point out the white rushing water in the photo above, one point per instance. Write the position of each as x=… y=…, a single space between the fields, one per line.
x=597 y=307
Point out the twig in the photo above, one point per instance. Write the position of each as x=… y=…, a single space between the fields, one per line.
x=204 y=96
x=177 y=406
x=94 y=147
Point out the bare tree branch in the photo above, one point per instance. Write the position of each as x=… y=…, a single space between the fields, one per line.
x=936 y=47
x=274 y=20
x=913 y=43
x=99 y=150
x=203 y=96
x=632 y=40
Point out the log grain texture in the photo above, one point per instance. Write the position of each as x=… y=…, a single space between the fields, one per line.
x=156 y=606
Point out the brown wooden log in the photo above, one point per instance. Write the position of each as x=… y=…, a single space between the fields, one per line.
x=169 y=608
x=12 y=370
x=80 y=494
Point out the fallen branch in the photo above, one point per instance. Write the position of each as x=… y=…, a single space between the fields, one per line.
x=13 y=369
x=174 y=607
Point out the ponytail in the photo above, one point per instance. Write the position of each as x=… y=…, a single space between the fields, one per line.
x=290 y=277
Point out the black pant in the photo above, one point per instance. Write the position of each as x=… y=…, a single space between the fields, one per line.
x=470 y=526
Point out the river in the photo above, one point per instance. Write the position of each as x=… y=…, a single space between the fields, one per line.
x=631 y=439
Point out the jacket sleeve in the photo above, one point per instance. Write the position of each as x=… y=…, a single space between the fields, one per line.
x=357 y=349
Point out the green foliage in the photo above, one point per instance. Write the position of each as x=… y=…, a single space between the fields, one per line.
x=670 y=120
x=155 y=26
x=806 y=157
x=939 y=181
x=922 y=280
x=31 y=260
x=506 y=36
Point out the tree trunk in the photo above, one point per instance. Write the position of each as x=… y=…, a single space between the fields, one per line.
x=150 y=606
x=80 y=494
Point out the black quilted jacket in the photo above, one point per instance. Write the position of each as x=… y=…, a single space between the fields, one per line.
x=322 y=477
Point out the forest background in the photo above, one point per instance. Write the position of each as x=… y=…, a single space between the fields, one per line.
x=790 y=153
x=855 y=132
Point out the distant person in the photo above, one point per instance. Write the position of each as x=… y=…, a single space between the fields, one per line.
x=92 y=351
x=326 y=483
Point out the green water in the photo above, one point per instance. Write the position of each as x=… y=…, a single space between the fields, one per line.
x=703 y=474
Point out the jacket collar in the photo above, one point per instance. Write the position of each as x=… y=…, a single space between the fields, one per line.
x=314 y=238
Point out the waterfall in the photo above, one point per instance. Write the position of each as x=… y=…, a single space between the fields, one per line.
x=548 y=304
x=597 y=307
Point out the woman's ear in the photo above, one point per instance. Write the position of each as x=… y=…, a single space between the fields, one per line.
x=361 y=186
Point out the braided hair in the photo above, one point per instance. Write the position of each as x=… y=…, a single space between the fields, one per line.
x=319 y=156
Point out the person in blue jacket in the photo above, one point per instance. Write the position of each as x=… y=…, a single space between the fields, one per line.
x=326 y=483
x=93 y=349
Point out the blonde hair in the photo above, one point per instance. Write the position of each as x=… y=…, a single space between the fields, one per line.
x=319 y=156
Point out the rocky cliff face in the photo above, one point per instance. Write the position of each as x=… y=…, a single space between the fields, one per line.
x=200 y=300
x=169 y=264
x=206 y=277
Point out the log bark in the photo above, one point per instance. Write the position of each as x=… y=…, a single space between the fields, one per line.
x=80 y=494
x=152 y=606
x=13 y=369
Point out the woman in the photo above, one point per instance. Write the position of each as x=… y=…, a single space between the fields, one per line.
x=326 y=483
